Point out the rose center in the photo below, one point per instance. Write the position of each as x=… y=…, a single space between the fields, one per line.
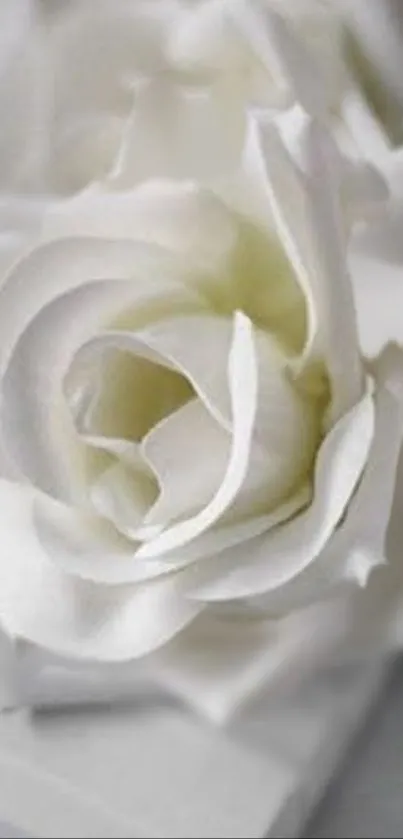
x=124 y=396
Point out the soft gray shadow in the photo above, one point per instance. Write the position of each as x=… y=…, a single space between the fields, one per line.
x=366 y=800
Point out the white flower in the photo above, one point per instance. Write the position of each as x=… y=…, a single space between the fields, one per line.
x=192 y=447
x=187 y=412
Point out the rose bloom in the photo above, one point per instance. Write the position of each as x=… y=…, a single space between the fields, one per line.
x=185 y=408
x=193 y=448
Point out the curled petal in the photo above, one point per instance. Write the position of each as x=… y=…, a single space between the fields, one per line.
x=41 y=603
x=196 y=346
x=222 y=537
x=61 y=266
x=358 y=545
x=178 y=216
x=243 y=389
x=188 y=452
x=280 y=556
x=41 y=306
x=123 y=496
x=306 y=205
x=361 y=538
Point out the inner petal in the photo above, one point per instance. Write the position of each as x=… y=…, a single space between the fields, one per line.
x=123 y=396
x=124 y=496
x=188 y=452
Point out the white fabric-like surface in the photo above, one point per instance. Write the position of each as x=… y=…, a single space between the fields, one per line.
x=372 y=774
x=366 y=798
x=154 y=770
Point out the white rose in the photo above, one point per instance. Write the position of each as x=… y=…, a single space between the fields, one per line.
x=188 y=417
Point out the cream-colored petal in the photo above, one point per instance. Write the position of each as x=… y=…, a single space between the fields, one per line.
x=47 y=298
x=188 y=452
x=41 y=603
x=178 y=216
x=242 y=374
x=124 y=496
x=195 y=346
x=307 y=204
x=280 y=556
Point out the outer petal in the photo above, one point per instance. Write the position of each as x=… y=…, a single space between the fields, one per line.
x=59 y=267
x=180 y=217
x=371 y=535
x=306 y=206
x=360 y=541
x=42 y=604
x=361 y=538
x=376 y=612
x=278 y=557
x=86 y=547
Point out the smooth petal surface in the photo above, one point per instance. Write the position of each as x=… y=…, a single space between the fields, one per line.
x=63 y=324
x=179 y=217
x=117 y=386
x=196 y=346
x=222 y=537
x=44 y=446
x=286 y=435
x=123 y=496
x=188 y=452
x=87 y=547
x=31 y=387
x=278 y=557
x=61 y=266
x=359 y=544
x=180 y=133
x=306 y=205
x=361 y=538
x=242 y=375
x=42 y=604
